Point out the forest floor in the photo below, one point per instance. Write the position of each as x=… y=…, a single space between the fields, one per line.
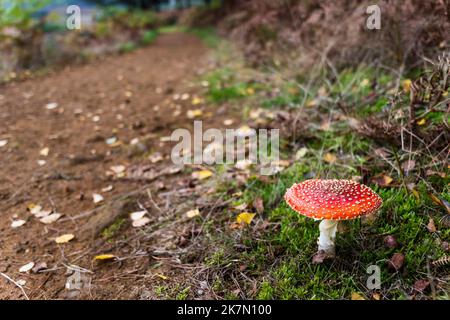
x=92 y=143
x=66 y=131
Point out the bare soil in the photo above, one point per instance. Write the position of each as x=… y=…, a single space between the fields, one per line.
x=130 y=96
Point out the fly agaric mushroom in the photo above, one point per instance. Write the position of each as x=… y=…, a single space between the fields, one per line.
x=330 y=201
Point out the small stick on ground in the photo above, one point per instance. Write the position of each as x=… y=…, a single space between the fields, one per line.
x=15 y=283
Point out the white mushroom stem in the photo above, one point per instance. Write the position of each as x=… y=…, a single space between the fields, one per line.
x=327 y=236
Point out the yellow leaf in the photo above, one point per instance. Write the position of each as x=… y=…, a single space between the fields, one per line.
x=365 y=82
x=193 y=213
x=376 y=296
x=301 y=153
x=330 y=158
x=201 y=175
x=293 y=90
x=64 y=238
x=382 y=180
x=44 y=152
x=311 y=103
x=104 y=257
x=406 y=84
x=197 y=100
x=421 y=122
x=357 y=296
x=245 y=217
x=194 y=113
x=250 y=91
x=160 y=275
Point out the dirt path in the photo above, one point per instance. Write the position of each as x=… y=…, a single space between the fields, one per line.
x=126 y=97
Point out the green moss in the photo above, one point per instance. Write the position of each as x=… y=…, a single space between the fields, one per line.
x=113 y=229
x=128 y=47
x=149 y=37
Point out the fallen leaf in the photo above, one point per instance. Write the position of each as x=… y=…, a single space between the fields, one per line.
x=137 y=215
x=21 y=282
x=376 y=296
x=396 y=262
x=431 y=226
x=258 y=204
x=382 y=180
x=421 y=122
x=141 y=222
x=64 y=238
x=432 y=172
x=27 y=267
x=50 y=218
x=312 y=103
x=44 y=152
x=406 y=84
x=43 y=213
x=97 y=198
x=301 y=153
x=390 y=242
x=34 y=208
x=228 y=122
x=3 y=143
x=421 y=285
x=330 y=158
x=365 y=82
x=108 y=188
x=193 y=213
x=281 y=163
x=155 y=157
x=41 y=162
x=408 y=165
x=250 y=91
x=191 y=114
x=241 y=207
x=17 y=223
x=245 y=217
x=196 y=101
x=51 y=106
x=116 y=144
x=104 y=257
x=440 y=202
x=201 y=175
x=160 y=275
x=357 y=296
x=412 y=187
x=119 y=169
x=111 y=141
x=39 y=267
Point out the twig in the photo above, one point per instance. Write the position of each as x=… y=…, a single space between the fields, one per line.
x=149 y=193
x=15 y=283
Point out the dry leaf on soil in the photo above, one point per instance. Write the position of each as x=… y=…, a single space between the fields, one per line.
x=64 y=238
x=27 y=267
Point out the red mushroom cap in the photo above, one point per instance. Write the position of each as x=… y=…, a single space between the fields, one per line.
x=332 y=199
